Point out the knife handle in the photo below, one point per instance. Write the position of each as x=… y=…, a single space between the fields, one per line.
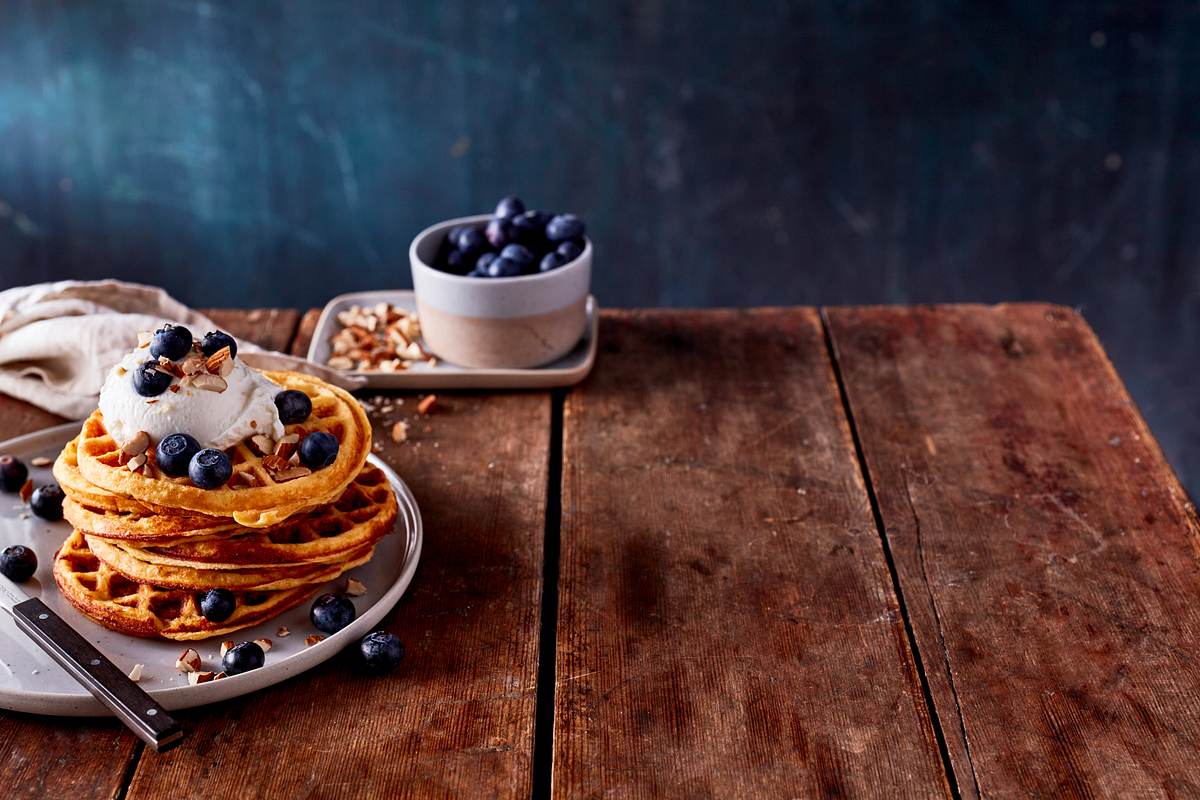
x=98 y=675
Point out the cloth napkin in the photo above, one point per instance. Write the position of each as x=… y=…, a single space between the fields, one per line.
x=58 y=340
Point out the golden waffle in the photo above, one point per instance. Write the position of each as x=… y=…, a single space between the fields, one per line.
x=265 y=503
x=75 y=486
x=139 y=609
x=364 y=513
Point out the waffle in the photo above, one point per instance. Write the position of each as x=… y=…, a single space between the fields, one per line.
x=266 y=502
x=76 y=487
x=140 y=609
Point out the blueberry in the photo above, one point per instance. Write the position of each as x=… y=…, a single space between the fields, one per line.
x=564 y=226
x=477 y=273
x=457 y=262
x=452 y=236
x=46 y=501
x=318 y=450
x=527 y=230
x=381 y=652
x=294 y=406
x=517 y=253
x=172 y=341
x=243 y=658
x=569 y=250
x=550 y=261
x=215 y=340
x=471 y=242
x=12 y=473
x=18 y=563
x=217 y=605
x=209 y=468
x=481 y=264
x=174 y=453
x=503 y=268
x=148 y=381
x=331 y=612
x=509 y=207
x=498 y=233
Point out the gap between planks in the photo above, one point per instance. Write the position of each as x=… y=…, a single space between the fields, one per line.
x=943 y=750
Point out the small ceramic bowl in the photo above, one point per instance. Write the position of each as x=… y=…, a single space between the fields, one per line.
x=510 y=323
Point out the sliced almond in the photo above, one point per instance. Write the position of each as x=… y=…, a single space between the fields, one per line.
x=137 y=445
x=213 y=363
x=137 y=462
x=262 y=444
x=193 y=365
x=355 y=587
x=265 y=644
x=291 y=473
x=188 y=661
x=209 y=382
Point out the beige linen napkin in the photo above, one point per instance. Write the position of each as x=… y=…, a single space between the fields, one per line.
x=58 y=340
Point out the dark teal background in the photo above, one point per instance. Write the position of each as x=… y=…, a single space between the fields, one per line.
x=723 y=154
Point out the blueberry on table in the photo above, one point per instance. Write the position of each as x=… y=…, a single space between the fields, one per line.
x=174 y=453
x=563 y=227
x=148 y=380
x=18 y=563
x=569 y=250
x=381 y=652
x=471 y=242
x=46 y=501
x=293 y=405
x=509 y=207
x=503 y=268
x=243 y=658
x=518 y=253
x=210 y=468
x=332 y=612
x=318 y=450
x=550 y=261
x=218 y=605
x=12 y=473
x=215 y=340
x=498 y=233
x=172 y=341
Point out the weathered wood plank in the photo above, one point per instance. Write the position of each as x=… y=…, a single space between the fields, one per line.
x=727 y=625
x=51 y=757
x=457 y=718
x=1046 y=552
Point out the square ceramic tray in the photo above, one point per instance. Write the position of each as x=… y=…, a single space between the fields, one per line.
x=567 y=371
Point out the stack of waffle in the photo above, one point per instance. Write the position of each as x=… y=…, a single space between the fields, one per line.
x=145 y=546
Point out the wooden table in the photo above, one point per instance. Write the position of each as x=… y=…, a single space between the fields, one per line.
x=892 y=552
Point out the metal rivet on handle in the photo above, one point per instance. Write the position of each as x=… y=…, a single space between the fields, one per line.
x=150 y=712
x=43 y=616
x=95 y=662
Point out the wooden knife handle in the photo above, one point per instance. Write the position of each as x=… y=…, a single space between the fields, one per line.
x=98 y=675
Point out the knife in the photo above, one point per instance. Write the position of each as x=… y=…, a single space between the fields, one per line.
x=86 y=664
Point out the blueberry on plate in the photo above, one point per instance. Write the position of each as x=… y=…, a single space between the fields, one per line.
x=210 y=468
x=381 y=652
x=12 y=473
x=318 y=449
x=172 y=341
x=563 y=227
x=218 y=605
x=18 y=563
x=481 y=264
x=498 y=233
x=509 y=207
x=243 y=658
x=332 y=612
x=215 y=340
x=569 y=250
x=503 y=268
x=517 y=253
x=552 y=260
x=471 y=242
x=46 y=501
x=148 y=380
x=294 y=406
x=174 y=453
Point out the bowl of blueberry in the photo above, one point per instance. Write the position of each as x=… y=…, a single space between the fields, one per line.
x=503 y=290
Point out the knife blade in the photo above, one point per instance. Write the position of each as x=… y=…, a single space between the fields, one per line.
x=87 y=665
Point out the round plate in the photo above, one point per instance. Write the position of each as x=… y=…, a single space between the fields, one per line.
x=30 y=681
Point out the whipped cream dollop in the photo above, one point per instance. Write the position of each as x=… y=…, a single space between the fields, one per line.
x=217 y=419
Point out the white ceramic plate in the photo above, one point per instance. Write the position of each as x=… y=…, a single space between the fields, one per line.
x=567 y=371
x=30 y=681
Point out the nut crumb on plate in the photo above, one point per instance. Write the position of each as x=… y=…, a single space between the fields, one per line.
x=312 y=639
x=380 y=338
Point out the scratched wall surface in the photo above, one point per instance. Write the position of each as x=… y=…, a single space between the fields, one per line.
x=826 y=152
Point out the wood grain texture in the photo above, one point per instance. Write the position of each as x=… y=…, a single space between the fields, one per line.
x=457 y=718
x=727 y=625
x=50 y=757
x=1046 y=552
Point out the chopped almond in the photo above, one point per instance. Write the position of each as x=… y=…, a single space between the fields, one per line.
x=40 y=461
x=400 y=432
x=426 y=405
x=313 y=638
x=27 y=490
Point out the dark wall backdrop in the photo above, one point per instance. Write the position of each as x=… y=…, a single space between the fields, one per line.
x=723 y=154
